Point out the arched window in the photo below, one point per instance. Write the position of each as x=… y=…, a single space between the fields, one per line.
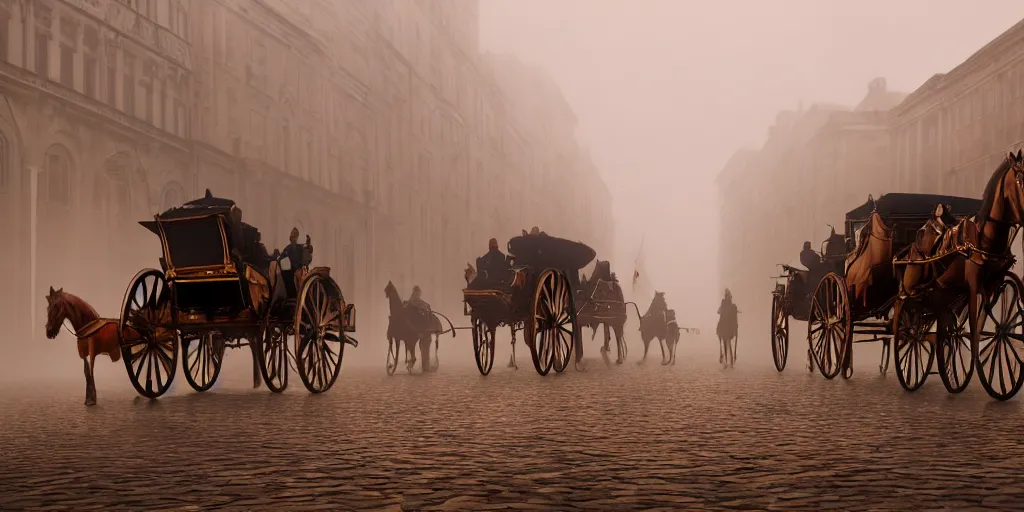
x=113 y=192
x=173 y=195
x=55 y=180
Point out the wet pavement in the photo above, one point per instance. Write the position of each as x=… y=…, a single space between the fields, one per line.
x=688 y=437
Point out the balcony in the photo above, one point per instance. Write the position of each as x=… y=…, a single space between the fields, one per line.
x=127 y=21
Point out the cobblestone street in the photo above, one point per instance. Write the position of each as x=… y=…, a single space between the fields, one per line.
x=691 y=436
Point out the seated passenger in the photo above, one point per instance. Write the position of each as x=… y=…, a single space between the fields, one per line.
x=493 y=266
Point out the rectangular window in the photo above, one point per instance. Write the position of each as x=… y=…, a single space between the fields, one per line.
x=112 y=85
x=67 y=66
x=180 y=121
x=129 y=85
x=43 y=55
x=90 y=78
x=147 y=98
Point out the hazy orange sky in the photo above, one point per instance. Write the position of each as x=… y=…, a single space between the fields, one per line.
x=666 y=90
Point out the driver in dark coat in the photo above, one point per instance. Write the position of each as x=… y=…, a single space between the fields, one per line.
x=494 y=265
x=809 y=258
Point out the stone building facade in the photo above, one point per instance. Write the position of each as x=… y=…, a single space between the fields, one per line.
x=375 y=126
x=94 y=134
x=816 y=165
x=951 y=133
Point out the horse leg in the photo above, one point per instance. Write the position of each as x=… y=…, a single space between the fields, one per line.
x=512 y=358
x=425 y=354
x=721 y=350
x=255 y=365
x=605 y=348
x=620 y=342
x=90 y=381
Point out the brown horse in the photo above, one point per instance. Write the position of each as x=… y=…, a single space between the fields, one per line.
x=972 y=258
x=95 y=335
x=658 y=322
x=411 y=326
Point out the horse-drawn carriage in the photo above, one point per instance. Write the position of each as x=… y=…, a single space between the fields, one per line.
x=854 y=291
x=536 y=295
x=209 y=295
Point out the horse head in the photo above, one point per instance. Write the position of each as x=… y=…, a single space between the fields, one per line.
x=658 y=303
x=56 y=311
x=1013 y=186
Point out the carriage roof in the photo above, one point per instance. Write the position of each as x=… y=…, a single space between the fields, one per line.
x=552 y=251
x=196 y=234
x=913 y=205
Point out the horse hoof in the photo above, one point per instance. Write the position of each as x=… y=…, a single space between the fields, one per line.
x=90 y=402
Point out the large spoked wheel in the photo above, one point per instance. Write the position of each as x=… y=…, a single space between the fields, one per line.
x=273 y=358
x=552 y=329
x=1000 y=338
x=914 y=345
x=483 y=346
x=393 y=349
x=203 y=359
x=321 y=341
x=780 y=333
x=148 y=339
x=829 y=326
x=954 y=348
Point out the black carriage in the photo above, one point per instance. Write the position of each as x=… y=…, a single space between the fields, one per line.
x=851 y=298
x=535 y=296
x=209 y=294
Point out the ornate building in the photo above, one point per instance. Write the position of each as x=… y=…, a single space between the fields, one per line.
x=952 y=132
x=94 y=133
x=375 y=126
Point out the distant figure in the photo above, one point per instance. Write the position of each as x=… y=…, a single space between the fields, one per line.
x=535 y=231
x=728 y=329
x=809 y=258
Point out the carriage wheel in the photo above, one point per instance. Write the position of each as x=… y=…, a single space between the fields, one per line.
x=483 y=346
x=829 y=325
x=148 y=339
x=1000 y=336
x=273 y=358
x=321 y=341
x=552 y=330
x=780 y=333
x=393 y=349
x=914 y=346
x=954 y=344
x=203 y=358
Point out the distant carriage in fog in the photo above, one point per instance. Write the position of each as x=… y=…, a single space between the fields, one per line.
x=208 y=296
x=535 y=295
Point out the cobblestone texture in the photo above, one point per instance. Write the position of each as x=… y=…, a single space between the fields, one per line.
x=690 y=437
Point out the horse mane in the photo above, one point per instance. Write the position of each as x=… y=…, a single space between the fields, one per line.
x=79 y=304
x=989 y=196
